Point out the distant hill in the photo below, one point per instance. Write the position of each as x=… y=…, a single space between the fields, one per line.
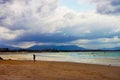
x=68 y=47
x=62 y=47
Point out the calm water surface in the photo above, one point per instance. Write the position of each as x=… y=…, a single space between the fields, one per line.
x=105 y=58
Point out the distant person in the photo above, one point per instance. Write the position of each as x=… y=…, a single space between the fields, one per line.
x=34 y=57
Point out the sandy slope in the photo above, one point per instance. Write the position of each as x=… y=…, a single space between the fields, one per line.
x=42 y=70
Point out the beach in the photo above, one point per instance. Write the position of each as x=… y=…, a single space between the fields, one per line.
x=49 y=70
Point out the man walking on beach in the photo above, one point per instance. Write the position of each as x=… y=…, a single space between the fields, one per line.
x=34 y=57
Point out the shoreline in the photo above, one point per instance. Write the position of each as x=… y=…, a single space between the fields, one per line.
x=65 y=62
x=47 y=59
x=38 y=61
x=52 y=70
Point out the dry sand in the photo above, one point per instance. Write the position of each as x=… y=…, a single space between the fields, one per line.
x=43 y=70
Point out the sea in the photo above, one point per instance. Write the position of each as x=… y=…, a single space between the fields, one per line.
x=102 y=58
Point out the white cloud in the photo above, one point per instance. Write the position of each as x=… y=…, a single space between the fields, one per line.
x=109 y=40
x=24 y=44
x=6 y=34
x=95 y=24
x=98 y=43
x=43 y=16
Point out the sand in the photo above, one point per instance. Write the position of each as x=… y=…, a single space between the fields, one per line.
x=43 y=70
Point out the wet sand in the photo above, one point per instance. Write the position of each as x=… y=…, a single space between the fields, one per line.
x=44 y=70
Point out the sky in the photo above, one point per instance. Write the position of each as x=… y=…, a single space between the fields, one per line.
x=92 y=24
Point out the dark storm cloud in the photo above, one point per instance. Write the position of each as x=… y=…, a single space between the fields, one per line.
x=4 y=1
x=115 y=3
x=56 y=38
x=108 y=6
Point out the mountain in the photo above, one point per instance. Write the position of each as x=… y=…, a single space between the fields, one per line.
x=69 y=47
x=115 y=48
x=10 y=47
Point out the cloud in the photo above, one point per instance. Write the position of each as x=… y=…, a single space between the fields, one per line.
x=6 y=34
x=36 y=16
x=44 y=21
x=114 y=39
x=51 y=38
x=39 y=16
x=108 y=6
x=24 y=44
x=4 y=1
x=98 y=43
x=95 y=26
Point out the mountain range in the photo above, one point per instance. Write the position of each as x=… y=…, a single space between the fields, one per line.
x=61 y=47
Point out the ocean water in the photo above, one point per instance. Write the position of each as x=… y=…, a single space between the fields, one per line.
x=105 y=58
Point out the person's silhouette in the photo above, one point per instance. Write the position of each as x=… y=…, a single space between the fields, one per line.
x=34 y=57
